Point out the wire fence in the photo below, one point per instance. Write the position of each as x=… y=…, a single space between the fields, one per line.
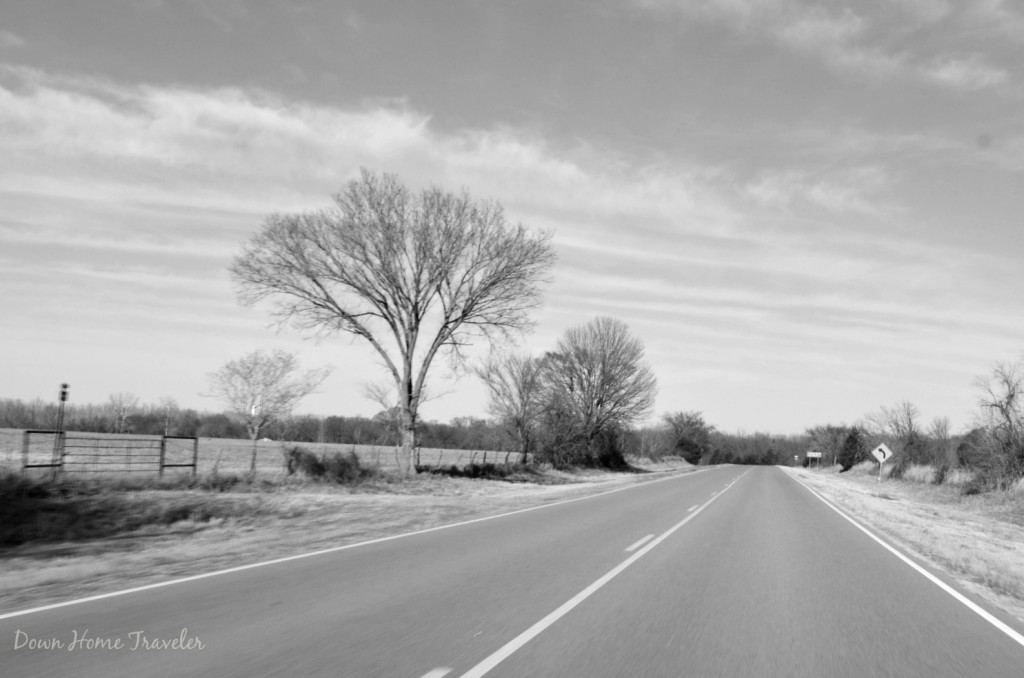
x=41 y=452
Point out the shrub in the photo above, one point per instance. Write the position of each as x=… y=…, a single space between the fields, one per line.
x=340 y=467
x=343 y=468
x=298 y=459
x=853 y=450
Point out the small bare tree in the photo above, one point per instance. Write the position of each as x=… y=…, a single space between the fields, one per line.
x=413 y=275
x=899 y=427
x=515 y=385
x=263 y=387
x=169 y=411
x=121 y=406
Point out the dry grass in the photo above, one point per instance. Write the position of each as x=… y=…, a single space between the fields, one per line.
x=977 y=539
x=192 y=531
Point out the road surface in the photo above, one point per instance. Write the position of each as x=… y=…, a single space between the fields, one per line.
x=731 y=571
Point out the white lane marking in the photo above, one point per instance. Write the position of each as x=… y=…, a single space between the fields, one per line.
x=437 y=673
x=691 y=508
x=640 y=543
x=973 y=607
x=529 y=634
x=333 y=549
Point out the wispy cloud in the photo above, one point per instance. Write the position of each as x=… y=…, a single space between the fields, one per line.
x=965 y=73
x=903 y=39
x=11 y=40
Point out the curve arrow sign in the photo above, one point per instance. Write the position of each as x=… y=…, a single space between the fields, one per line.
x=881 y=453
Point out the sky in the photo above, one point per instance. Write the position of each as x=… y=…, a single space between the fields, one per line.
x=805 y=210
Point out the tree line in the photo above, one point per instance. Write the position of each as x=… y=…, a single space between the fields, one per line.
x=992 y=448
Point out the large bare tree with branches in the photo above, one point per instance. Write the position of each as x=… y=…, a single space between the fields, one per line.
x=412 y=274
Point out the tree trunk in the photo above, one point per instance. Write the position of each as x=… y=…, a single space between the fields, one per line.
x=252 y=464
x=406 y=462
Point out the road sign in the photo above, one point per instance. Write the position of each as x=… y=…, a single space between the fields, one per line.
x=881 y=453
x=814 y=455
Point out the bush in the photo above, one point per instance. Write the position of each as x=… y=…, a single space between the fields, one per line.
x=339 y=467
x=853 y=451
x=343 y=468
x=298 y=459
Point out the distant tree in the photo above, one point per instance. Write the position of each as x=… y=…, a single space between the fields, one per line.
x=412 y=275
x=1002 y=410
x=121 y=406
x=169 y=412
x=690 y=433
x=263 y=387
x=515 y=387
x=828 y=440
x=899 y=427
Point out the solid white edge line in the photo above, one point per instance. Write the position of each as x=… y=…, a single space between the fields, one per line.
x=639 y=543
x=974 y=607
x=334 y=549
x=506 y=650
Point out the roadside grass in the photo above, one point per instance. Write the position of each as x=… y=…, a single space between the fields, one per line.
x=79 y=537
x=976 y=538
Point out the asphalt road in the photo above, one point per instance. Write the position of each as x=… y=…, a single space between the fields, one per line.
x=731 y=571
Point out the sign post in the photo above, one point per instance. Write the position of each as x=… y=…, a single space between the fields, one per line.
x=882 y=454
x=817 y=456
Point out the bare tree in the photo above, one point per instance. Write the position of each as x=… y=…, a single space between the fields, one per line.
x=413 y=275
x=515 y=385
x=169 y=412
x=121 y=406
x=828 y=440
x=1002 y=404
x=899 y=427
x=263 y=387
x=940 y=438
x=691 y=435
x=599 y=376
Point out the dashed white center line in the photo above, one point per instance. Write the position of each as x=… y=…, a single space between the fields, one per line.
x=437 y=673
x=640 y=543
x=691 y=508
x=502 y=653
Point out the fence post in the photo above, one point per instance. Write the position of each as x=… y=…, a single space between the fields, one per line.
x=24 y=451
x=195 y=458
x=163 y=454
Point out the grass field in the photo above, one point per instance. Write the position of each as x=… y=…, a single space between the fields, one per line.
x=230 y=456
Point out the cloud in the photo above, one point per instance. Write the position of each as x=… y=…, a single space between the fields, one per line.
x=11 y=40
x=852 y=190
x=965 y=73
x=906 y=39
